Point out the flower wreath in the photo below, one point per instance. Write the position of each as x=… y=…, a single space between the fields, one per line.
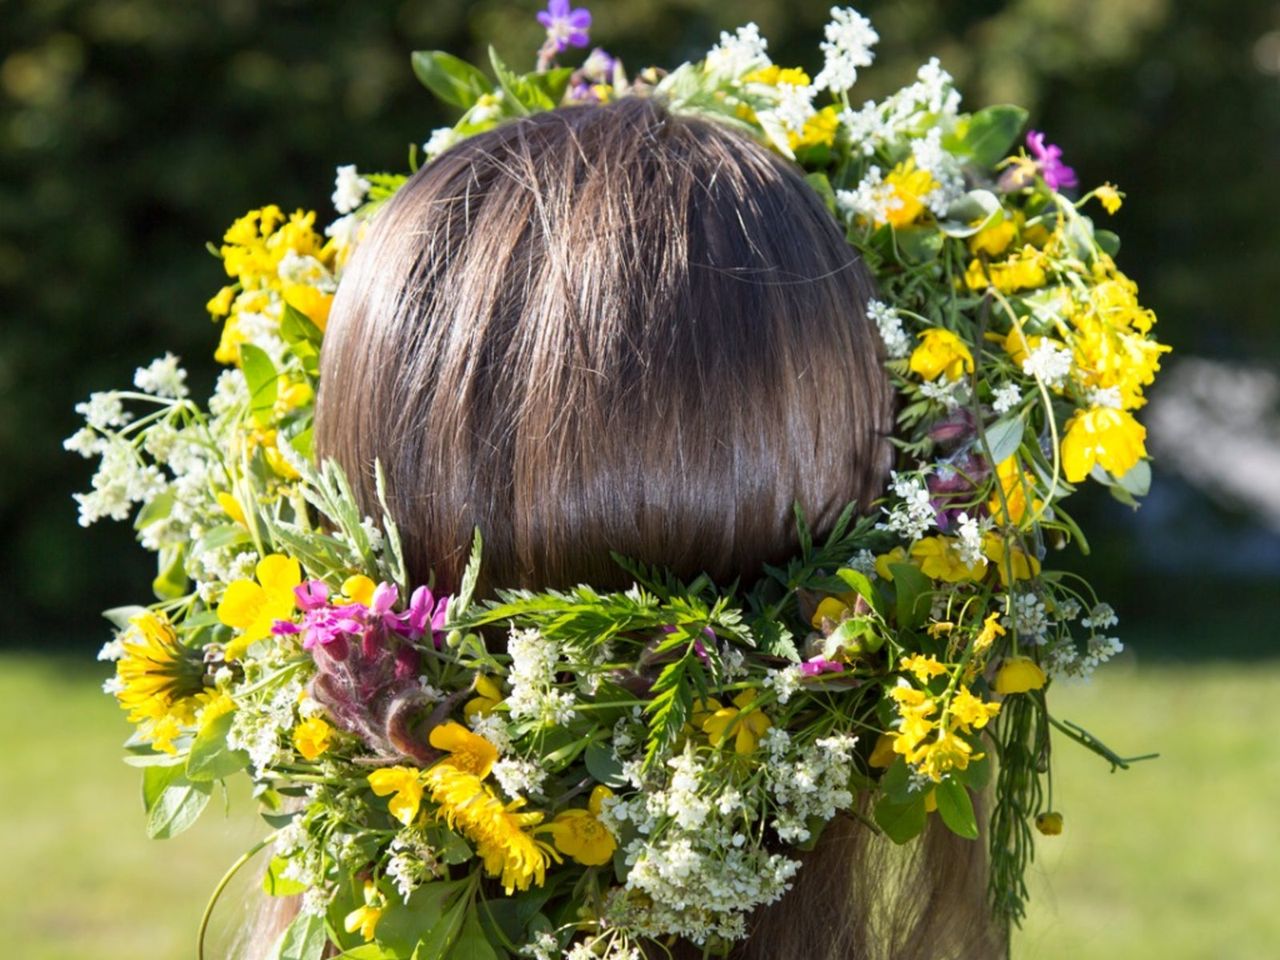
x=629 y=767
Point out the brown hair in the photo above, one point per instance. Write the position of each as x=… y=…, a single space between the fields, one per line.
x=611 y=328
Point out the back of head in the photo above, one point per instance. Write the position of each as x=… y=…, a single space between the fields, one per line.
x=605 y=328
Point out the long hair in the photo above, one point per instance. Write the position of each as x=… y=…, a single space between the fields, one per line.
x=614 y=329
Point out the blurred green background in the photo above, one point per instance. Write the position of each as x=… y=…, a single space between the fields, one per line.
x=133 y=131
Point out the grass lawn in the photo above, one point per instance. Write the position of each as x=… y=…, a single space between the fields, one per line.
x=1177 y=859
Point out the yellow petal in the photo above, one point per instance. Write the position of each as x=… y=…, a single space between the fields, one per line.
x=278 y=573
x=359 y=589
x=241 y=604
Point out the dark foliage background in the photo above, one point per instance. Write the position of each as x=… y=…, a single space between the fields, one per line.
x=132 y=131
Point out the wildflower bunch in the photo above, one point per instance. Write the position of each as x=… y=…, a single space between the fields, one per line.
x=583 y=774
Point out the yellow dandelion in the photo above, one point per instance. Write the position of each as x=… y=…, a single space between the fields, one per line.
x=158 y=680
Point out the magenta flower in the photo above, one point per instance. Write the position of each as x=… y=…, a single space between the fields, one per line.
x=1048 y=159
x=818 y=666
x=425 y=612
x=565 y=27
x=311 y=595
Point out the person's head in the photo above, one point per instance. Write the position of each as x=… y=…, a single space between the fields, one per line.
x=613 y=329
x=605 y=328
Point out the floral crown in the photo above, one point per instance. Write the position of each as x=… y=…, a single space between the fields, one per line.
x=628 y=768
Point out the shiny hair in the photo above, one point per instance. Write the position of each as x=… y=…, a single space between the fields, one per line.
x=615 y=329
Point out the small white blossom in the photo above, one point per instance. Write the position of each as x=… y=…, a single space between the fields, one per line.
x=969 y=536
x=163 y=378
x=738 y=53
x=349 y=189
x=849 y=39
x=440 y=141
x=952 y=394
x=889 y=323
x=103 y=411
x=1006 y=397
x=912 y=515
x=1049 y=362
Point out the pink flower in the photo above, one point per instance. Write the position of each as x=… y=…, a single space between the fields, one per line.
x=818 y=666
x=1056 y=174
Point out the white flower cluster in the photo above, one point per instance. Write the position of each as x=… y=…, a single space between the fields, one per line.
x=897 y=342
x=911 y=514
x=848 y=43
x=785 y=682
x=532 y=678
x=738 y=53
x=898 y=117
x=413 y=862
x=812 y=782
x=969 y=532
x=1006 y=397
x=1030 y=618
x=952 y=394
x=519 y=778
x=349 y=189
x=162 y=378
x=1049 y=362
x=262 y=723
x=440 y=140
x=930 y=155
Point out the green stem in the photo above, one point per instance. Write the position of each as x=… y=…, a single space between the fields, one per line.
x=222 y=885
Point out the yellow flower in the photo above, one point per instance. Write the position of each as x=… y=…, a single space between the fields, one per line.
x=945 y=753
x=987 y=636
x=970 y=711
x=1110 y=197
x=940 y=351
x=1019 y=675
x=159 y=680
x=907 y=188
x=407 y=785
x=489 y=695
x=1022 y=270
x=231 y=507
x=1019 y=563
x=773 y=75
x=219 y=304
x=310 y=302
x=939 y=558
x=924 y=668
x=253 y=607
x=819 y=130
x=365 y=918
x=499 y=832
x=359 y=589
x=312 y=737
x=1050 y=823
x=884 y=560
x=1016 y=484
x=1103 y=435
x=580 y=834
x=994 y=239
x=468 y=752
x=940 y=628
x=882 y=754
x=748 y=726
x=915 y=708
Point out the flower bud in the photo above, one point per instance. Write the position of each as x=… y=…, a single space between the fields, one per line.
x=1050 y=823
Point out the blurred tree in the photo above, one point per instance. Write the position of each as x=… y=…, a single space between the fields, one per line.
x=132 y=131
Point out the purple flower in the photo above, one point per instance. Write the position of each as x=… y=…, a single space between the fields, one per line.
x=565 y=27
x=817 y=666
x=424 y=612
x=311 y=595
x=1049 y=159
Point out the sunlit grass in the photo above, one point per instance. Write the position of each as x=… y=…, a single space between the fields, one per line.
x=1175 y=859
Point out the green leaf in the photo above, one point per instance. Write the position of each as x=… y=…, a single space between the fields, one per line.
x=1107 y=241
x=861 y=584
x=551 y=84
x=911 y=587
x=296 y=328
x=603 y=767
x=119 y=617
x=260 y=374
x=512 y=85
x=975 y=211
x=472 y=943
x=1137 y=481
x=919 y=244
x=451 y=79
x=1004 y=437
x=276 y=884
x=171 y=800
x=157 y=509
x=304 y=939
x=171 y=579
x=991 y=132
x=431 y=916
x=956 y=808
x=900 y=821
x=451 y=847
x=210 y=757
